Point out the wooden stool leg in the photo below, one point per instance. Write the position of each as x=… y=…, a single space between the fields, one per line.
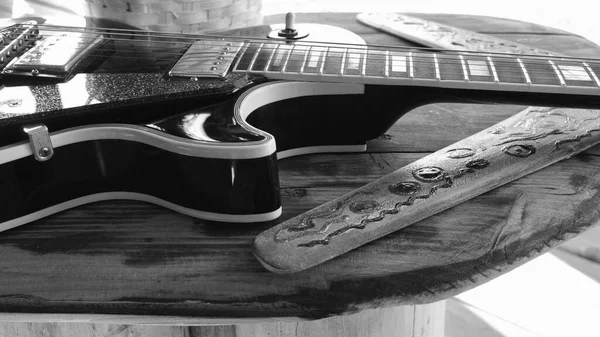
x=401 y=321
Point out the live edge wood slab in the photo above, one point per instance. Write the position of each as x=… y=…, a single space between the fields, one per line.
x=137 y=259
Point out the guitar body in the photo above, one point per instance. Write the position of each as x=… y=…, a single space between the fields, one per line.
x=197 y=123
x=207 y=148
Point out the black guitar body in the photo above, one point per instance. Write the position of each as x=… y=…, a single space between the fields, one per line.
x=244 y=189
x=120 y=125
x=240 y=190
x=126 y=131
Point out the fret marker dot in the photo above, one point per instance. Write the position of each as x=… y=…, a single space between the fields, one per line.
x=574 y=73
x=478 y=68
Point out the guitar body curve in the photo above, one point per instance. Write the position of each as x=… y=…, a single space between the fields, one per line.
x=203 y=148
x=197 y=123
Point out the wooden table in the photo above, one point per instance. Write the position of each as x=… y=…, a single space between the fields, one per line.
x=122 y=261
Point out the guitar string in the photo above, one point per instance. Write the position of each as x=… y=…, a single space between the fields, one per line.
x=420 y=63
x=442 y=54
x=372 y=57
x=504 y=69
x=194 y=37
x=426 y=59
x=532 y=66
x=419 y=66
x=361 y=48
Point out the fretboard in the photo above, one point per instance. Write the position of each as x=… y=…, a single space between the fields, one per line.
x=375 y=65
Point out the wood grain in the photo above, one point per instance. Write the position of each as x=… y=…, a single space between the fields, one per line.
x=127 y=258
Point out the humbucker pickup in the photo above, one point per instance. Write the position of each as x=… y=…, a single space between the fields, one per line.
x=206 y=58
x=55 y=56
x=15 y=40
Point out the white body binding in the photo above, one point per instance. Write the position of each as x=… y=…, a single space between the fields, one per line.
x=248 y=102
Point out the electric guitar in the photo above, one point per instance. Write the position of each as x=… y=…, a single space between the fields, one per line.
x=197 y=123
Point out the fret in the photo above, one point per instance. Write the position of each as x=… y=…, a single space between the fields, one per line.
x=314 y=57
x=263 y=57
x=295 y=63
x=375 y=64
x=399 y=62
x=540 y=71
x=463 y=70
x=595 y=67
x=334 y=59
x=558 y=74
x=279 y=56
x=527 y=79
x=304 y=60
x=411 y=72
x=450 y=67
x=437 y=67
x=247 y=56
x=423 y=65
x=275 y=50
x=364 y=64
x=587 y=66
x=287 y=59
x=379 y=63
x=297 y=59
x=386 y=72
x=575 y=73
x=493 y=69
x=477 y=68
x=353 y=62
x=255 y=56
x=464 y=67
x=343 y=61
x=508 y=69
x=323 y=61
x=241 y=55
x=467 y=70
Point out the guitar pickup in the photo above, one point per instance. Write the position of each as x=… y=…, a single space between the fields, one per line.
x=55 y=56
x=17 y=39
x=207 y=58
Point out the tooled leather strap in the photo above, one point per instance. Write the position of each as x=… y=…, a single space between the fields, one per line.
x=522 y=144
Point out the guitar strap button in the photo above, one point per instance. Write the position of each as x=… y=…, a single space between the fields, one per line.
x=40 y=142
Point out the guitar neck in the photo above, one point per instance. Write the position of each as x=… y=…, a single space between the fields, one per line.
x=485 y=77
x=418 y=67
